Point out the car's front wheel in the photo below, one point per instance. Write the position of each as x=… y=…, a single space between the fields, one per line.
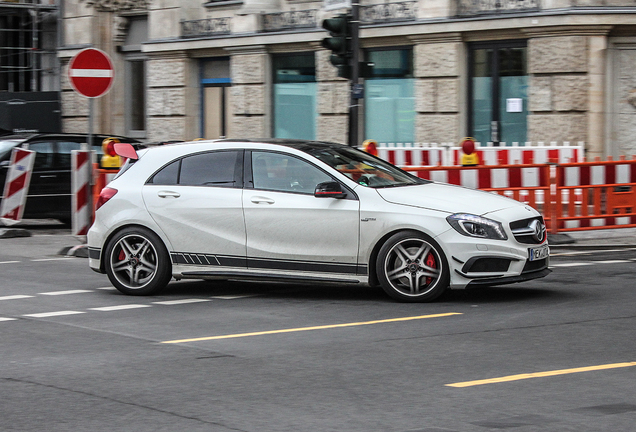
x=137 y=262
x=412 y=267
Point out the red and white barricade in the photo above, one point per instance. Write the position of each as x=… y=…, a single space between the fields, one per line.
x=412 y=156
x=523 y=155
x=81 y=175
x=16 y=186
x=596 y=195
x=448 y=154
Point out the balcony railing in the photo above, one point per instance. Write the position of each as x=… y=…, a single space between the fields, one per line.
x=205 y=27
x=494 y=7
x=389 y=12
x=289 y=20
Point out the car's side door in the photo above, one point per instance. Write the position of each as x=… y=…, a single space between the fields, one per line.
x=196 y=200
x=288 y=228
x=43 y=191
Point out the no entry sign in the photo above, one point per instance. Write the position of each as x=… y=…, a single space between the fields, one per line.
x=91 y=72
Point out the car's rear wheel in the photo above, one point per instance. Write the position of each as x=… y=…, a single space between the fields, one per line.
x=137 y=262
x=412 y=267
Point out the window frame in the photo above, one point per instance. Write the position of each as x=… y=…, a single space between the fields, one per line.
x=238 y=170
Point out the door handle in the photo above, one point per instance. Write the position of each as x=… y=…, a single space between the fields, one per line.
x=168 y=194
x=49 y=176
x=262 y=200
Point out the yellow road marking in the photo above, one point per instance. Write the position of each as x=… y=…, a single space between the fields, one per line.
x=541 y=374
x=323 y=327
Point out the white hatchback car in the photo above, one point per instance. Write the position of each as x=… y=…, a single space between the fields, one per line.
x=304 y=211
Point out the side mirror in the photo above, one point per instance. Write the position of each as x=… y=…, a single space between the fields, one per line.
x=331 y=189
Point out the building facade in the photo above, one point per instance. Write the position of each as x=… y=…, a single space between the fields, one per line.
x=503 y=71
x=29 y=68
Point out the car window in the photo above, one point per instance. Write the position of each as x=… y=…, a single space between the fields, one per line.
x=64 y=149
x=210 y=169
x=6 y=146
x=44 y=155
x=363 y=168
x=285 y=173
x=168 y=175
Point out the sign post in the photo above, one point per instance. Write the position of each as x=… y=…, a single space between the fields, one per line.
x=91 y=74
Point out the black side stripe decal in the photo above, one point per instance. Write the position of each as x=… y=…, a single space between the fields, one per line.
x=262 y=263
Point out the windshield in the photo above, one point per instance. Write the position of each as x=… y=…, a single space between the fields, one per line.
x=363 y=168
x=6 y=146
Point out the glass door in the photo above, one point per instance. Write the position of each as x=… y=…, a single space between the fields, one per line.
x=498 y=90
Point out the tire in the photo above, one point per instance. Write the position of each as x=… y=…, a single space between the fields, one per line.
x=137 y=262
x=411 y=267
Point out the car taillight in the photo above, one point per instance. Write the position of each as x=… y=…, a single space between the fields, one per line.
x=106 y=194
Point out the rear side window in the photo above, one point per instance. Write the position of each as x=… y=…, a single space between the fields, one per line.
x=64 y=149
x=169 y=175
x=220 y=169
x=44 y=155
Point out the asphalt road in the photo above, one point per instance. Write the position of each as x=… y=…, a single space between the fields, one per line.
x=557 y=354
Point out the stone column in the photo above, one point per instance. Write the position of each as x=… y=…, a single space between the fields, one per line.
x=168 y=89
x=437 y=71
x=249 y=93
x=596 y=123
x=567 y=86
x=333 y=101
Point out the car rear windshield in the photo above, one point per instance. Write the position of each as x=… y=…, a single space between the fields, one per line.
x=6 y=146
x=364 y=168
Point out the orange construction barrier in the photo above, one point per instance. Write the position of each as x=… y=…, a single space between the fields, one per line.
x=571 y=196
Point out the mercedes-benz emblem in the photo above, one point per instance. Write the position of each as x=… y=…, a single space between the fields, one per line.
x=538 y=230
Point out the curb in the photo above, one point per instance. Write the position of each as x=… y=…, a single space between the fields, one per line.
x=13 y=233
x=79 y=251
x=560 y=239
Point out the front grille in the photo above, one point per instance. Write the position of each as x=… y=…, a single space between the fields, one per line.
x=487 y=265
x=524 y=233
x=535 y=265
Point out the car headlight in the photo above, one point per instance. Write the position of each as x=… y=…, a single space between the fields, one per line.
x=477 y=226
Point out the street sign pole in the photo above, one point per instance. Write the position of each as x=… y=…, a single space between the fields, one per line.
x=91 y=74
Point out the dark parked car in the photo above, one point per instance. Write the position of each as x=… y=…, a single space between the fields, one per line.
x=49 y=193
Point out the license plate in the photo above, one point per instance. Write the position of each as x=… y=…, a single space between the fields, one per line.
x=538 y=253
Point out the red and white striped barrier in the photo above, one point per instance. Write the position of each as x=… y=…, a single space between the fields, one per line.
x=408 y=156
x=81 y=175
x=487 y=177
x=16 y=186
x=448 y=154
x=577 y=184
x=523 y=155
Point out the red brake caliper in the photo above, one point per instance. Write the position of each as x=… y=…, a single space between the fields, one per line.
x=122 y=255
x=430 y=262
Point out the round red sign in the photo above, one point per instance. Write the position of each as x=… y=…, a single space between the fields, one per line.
x=91 y=72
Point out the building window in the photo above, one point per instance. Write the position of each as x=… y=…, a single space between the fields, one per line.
x=135 y=75
x=498 y=89
x=295 y=96
x=215 y=97
x=389 y=114
x=136 y=98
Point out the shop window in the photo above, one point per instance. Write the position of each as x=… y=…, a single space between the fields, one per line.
x=389 y=111
x=294 y=96
x=216 y=103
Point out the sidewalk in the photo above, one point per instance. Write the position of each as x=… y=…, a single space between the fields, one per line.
x=603 y=238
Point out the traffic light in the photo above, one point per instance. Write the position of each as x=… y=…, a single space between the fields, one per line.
x=339 y=43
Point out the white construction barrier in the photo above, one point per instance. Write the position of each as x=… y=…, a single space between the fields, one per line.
x=16 y=186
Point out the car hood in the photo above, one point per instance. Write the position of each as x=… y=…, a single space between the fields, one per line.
x=447 y=198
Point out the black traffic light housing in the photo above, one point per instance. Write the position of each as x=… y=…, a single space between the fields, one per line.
x=339 y=43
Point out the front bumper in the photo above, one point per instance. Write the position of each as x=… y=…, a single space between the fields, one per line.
x=509 y=279
x=482 y=262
